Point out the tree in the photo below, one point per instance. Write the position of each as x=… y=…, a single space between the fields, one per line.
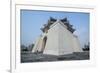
x=86 y=47
x=30 y=47
x=24 y=48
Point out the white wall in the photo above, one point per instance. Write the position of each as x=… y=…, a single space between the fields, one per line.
x=61 y=41
x=52 y=44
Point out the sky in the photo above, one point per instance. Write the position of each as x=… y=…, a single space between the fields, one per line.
x=32 y=21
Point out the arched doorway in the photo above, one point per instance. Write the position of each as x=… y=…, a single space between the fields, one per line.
x=44 y=43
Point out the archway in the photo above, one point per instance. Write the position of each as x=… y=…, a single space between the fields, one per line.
x=44 y=43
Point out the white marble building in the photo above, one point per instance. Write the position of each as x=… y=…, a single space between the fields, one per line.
x=57 y=38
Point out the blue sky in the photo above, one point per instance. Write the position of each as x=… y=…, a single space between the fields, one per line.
x=32 y=21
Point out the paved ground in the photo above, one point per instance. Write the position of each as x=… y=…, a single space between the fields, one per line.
x=33 y=57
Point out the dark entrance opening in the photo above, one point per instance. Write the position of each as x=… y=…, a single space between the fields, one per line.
x=44 y=43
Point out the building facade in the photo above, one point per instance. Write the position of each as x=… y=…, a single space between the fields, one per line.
x=57 y=38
